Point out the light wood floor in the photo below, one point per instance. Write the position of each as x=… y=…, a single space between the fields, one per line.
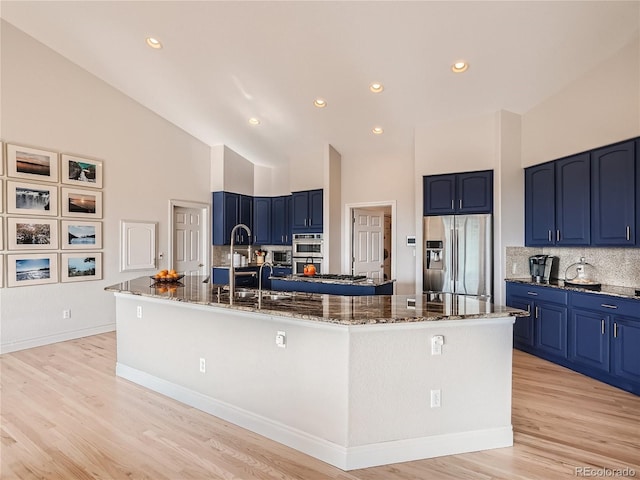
x=65 y=415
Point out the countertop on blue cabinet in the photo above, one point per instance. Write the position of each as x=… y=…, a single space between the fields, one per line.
x=610 y=290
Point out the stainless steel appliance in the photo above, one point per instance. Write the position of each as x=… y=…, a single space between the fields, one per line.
x=307 y=249
x=281 y=257
x=540 y=267
x=458 y=256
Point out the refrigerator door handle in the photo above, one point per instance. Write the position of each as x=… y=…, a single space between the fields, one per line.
x=453 y=260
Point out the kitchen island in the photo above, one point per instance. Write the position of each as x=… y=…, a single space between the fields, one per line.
x=333 y=284
x=349 y=380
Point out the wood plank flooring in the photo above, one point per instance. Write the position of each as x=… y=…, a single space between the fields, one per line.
x=65 y=415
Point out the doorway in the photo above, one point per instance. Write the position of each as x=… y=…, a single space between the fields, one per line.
x=371 y=243
x=189 y=227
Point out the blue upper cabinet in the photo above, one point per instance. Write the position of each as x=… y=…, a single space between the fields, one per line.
x=230 y=209
x=613 y=188
x=540 y=205
x=307 y=211
x=461 y=193
x=573 y=200
x=262 y=212
x=280 y=221
x=557 y=202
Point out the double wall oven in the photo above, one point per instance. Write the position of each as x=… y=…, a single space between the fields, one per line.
x=307 y=249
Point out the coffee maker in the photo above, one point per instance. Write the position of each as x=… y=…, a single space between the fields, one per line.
x=540 y=267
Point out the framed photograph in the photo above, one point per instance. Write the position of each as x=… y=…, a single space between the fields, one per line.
x=32 y=199
x=31 y=269
x=81 y=266
x=32 y=233
x=31 y=163
x=79 y=235
x=82 y=172
x=77 y=202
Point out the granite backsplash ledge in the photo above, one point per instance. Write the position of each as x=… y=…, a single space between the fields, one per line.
x=614 y=266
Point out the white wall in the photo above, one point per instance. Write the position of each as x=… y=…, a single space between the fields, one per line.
x=51 y=103
x=599 y=108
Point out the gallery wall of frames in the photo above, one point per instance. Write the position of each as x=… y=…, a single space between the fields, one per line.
x=50 y=217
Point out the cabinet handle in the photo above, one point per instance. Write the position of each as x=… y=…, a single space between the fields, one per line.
x=460 y=204
x=557 y=235
x=605 y=305
x=628 y=232
x=537 y=312
x=615 y=330
x=532 y=293
x=452 y=207
x=550 y=235
x=602 y=326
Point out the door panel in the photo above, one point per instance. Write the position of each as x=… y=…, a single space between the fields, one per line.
x=551 y=329
x=473 y=247
x=188 y=244
x=368 y=234
x=589 y=339
x=626 y=352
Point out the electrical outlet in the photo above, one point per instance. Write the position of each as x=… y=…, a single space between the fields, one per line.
x=139 y=311
x=203 y=365
x=514 y=268
x=435 y=398
x=436 y=344
x=281 y=339
x=66 y=313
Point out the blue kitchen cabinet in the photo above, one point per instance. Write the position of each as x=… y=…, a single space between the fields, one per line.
x=589 y=339
x=573 y=200
x=307 y=211
x=626 y=354
x=220 y=276
x=276 y=272
x=262 y=211
x=613 y=202
x=355 y=289
x=230 y=209
x=544 y=332
x=558 y=202
x=540 y=205
x=280 y=221
x=458 y=194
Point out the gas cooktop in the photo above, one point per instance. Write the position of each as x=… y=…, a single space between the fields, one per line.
x=336 y=276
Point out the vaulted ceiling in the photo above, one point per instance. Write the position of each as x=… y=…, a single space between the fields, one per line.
x=223 y=62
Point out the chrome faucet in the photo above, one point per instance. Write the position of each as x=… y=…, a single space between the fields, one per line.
x=232 y=267
x=270 y=265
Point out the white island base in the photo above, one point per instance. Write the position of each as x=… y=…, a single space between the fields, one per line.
x=353 y=396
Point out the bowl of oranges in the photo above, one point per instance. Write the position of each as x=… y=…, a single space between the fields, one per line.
x=167 y=276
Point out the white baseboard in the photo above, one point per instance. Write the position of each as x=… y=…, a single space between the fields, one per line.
x=345 y=458
x=58 y=337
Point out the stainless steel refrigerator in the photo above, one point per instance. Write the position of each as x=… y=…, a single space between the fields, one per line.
x=458 y=255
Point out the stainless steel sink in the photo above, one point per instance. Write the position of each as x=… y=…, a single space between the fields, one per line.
x=245 y=293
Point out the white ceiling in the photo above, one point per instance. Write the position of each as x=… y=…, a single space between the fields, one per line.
x=224 y=62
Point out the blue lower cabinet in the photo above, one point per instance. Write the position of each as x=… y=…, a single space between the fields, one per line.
x=332 y=288
x=221 y=277
x=551 y=329
x=626 y=351
x=589 y=339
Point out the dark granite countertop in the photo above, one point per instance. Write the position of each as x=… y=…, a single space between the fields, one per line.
x=337 y=309
x=611 y=290
x=311 y=278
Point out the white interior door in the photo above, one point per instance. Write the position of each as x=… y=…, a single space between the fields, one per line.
x=189 y=241
x=368 y=243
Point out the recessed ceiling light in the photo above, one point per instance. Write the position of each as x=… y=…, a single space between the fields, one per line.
x=254 y=121
x=320 y=102
x=459 y=67
x=377 y=130
x=154 y=42
x=376 y=87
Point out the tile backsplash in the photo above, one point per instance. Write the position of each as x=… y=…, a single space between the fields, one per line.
x=614 y=266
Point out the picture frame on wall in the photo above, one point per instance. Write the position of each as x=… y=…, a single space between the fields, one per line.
x=77 y=202
x=32 y=163
x=83 y=172
x=80 y=266
x=32 y=199
x=25 y=269
x=26 y=233
x=81 y=235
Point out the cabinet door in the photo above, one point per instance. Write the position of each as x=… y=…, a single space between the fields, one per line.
x=475 y=192
x=245 y=211
x=523 y=330
x=626 y=354
x=279 y=220
x=551 y=329
x=573 y=200
x=315 y=211
x=262 y=220
x=439 y=194
x=589 y=339
x=613 y=189
x=539 y=206
x=289 y=235
x=300 y=211
x=231 y=205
